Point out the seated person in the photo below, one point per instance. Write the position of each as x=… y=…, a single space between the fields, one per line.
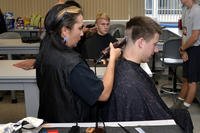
x=92 y=46
x=134 y=96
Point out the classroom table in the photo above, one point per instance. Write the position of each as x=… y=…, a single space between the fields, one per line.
x=15 y=46
x=149 y=126
x=10 y=47
x=175 y=31
x=30 y=31
x=13 y=78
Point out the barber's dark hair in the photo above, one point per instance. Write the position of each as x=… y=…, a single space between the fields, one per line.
x=60 y=15
x=142 y=26
x=72 y=3
x=3 y=27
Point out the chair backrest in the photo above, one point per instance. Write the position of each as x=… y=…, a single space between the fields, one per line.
x=117 y=30
x=171 y=49
x=91 y=51
x=167 y=35
x=10 y=35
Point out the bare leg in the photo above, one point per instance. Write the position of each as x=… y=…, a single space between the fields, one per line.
x=191 y=92
x=183 y=95
x=184 y=89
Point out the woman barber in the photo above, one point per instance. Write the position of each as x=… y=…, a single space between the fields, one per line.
x=68 y=88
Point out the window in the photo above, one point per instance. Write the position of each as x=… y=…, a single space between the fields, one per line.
x=148 y=6
x=163 y=10
x=169 y=7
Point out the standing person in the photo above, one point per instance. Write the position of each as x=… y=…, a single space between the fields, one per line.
x=68 y=87
x=134 y=96
x=189 y=51
x=93 y=46
x=2 y=23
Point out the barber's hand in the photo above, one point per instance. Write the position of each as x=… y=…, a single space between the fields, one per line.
x=26 y=65
x=114 y=52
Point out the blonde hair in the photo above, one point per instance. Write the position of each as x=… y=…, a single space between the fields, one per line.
x=102 y=15
x=71 y=9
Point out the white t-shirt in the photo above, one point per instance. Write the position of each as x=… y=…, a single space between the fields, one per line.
x=192 y=21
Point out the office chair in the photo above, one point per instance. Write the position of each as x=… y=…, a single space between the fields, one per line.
x=10 y=35
x=164 y=37
x=172 y=59
x=117 y=30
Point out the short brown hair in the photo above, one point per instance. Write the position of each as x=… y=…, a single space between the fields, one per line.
x=142 y=26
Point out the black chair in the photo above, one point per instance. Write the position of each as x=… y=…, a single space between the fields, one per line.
x=159 y=68
x=117 y=30
x=171 y=58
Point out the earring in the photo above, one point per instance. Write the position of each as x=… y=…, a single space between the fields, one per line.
x=65 y=39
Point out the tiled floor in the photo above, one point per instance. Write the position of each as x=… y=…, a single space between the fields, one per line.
x=169 y=99
x=13 y=112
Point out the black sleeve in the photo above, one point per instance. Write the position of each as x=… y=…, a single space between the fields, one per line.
x=85 y=83
x=3 y=27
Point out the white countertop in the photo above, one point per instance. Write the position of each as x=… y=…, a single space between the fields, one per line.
x=8 y=71
x=175 y=31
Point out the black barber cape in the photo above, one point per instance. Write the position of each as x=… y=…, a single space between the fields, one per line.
x=134 y=96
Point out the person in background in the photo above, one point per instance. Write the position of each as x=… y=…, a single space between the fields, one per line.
x=134 y=96
x=30 y=63
x=189 y=51
x=93 y=45
x=68 y=88
x=2 y=23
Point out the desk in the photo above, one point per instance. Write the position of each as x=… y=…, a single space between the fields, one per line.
x=13 y=78
x=153 y=126
x=145 y=67
x=37 y=32
x=175 y=31
x=15 y=46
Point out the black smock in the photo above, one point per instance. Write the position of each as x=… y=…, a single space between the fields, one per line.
x=3 y=27
x=135 y=97
x=68 y=88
